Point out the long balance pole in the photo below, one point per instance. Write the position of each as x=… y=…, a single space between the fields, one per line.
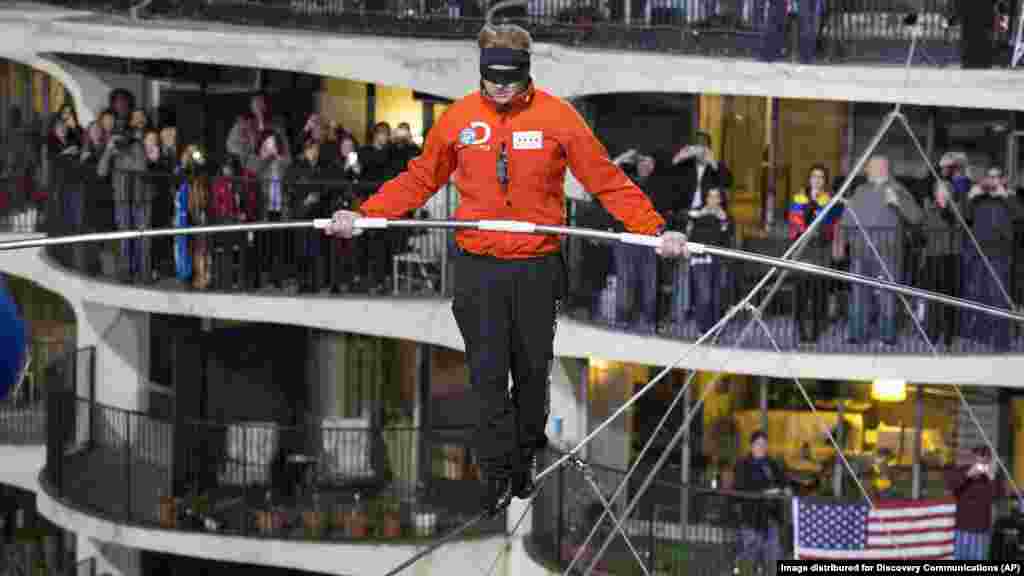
x=522 y=228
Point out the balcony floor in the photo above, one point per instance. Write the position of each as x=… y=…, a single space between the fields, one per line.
x=98 y=480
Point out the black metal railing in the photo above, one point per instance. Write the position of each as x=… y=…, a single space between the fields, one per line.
x=19 y=210
x=22 y=424
x=840 y=29
x=678 y=529
x=330 y=480
x=618 y=286
x=706 y=542
x=23 y=413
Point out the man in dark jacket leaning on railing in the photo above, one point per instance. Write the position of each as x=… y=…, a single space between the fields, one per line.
x=761 y=517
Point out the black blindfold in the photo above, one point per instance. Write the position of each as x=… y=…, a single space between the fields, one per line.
x=504 y=66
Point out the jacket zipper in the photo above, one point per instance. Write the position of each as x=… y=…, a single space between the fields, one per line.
x=504 y=168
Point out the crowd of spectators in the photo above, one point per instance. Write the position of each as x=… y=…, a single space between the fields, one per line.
x=916 y=231
x=128 y=170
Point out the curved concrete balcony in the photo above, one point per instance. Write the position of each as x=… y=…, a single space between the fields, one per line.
x=572 y=58
x=261 y=493
x=392 y=285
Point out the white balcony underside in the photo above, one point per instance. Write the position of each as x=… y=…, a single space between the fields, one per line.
x=450 y=68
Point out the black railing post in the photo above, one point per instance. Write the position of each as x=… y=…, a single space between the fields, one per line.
x=54 y=438
x=560 y=524
x=128 y=464
x=91 y=406
x=650 y=535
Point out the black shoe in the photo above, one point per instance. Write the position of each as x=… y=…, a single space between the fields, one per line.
x=523 y=484
x=497 y=493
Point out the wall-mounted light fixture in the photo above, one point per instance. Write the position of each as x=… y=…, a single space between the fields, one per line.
x=887 y=390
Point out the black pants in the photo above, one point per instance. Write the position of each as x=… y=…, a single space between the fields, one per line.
x=942 y=274
x=506 y=311
x=274 y=251
x=811 y=306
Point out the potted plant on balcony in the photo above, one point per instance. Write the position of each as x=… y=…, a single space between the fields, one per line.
x=168 y=511
x=387 y=516
x=425 y=522
x=352 y=521
x=198 y=510
x=314 y=520
x=269 y=519
x=357 y=523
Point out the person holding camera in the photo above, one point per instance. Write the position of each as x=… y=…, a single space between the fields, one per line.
x=682 y=185
x=813 y=293
x=709 y=225
x=126 y=162
x=991 y=215
x=636 y=267
x=695 y=171
x=887 y=212
x=975 y=487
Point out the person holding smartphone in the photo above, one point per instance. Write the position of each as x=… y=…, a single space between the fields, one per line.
x=975 y=487
x=508 y=146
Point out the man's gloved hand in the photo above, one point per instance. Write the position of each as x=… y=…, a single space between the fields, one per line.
x=673 y=245
x=343 y=224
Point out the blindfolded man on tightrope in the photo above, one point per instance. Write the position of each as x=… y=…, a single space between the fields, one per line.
x=509 y=145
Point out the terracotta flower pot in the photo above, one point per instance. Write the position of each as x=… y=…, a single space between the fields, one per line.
x=314 y=523
x=339 y=520
x=269 y=521
x=168 y=512
x=358 y=525
x=392 y=525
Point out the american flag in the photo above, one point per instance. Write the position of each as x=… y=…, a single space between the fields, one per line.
x=893 y=530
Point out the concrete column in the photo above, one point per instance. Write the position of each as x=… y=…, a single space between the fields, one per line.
x=121 y=340
x=918 y=425
x=568 y=410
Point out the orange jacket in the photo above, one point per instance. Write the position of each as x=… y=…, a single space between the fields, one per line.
x=542 y=135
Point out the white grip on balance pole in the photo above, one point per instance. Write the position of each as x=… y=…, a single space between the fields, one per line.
x=640 y=239
x=506 y=226
x=360 y=223
x=368 y=223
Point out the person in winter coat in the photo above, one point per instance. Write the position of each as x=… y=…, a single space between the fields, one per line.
x=991 y=215
x=812 y=292
x=709 y=225
x=887 y=212
x=509 y=145
x=941 y=263
x=273 y=247
x=975 y=487
x=761 y=516
x=307 y=177
x=636 y=267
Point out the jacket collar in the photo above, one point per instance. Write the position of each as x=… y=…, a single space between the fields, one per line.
x=519 y=102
